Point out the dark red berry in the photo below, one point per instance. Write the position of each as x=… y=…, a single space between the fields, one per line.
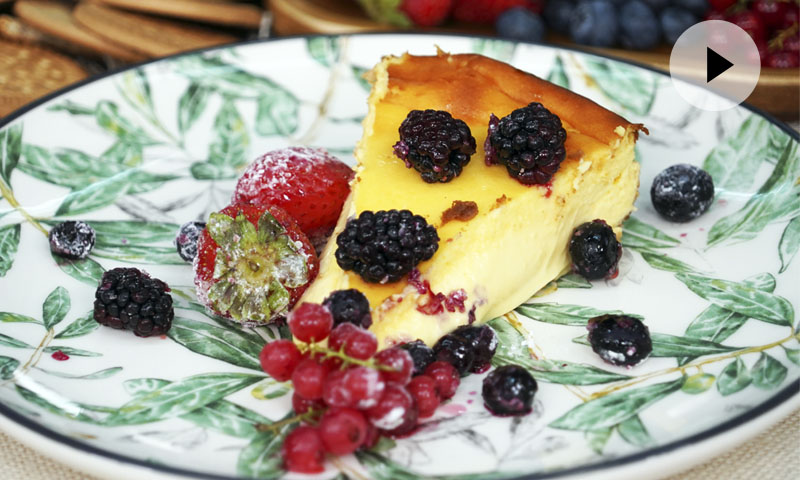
x=308 y=378
x=721 y=5
x=408 y=424
x=446 y=378
x=365 y=387
x=302 y=405
x=400 y=362
x=349 y=306
x=421 y=354
x=372 y=437
x=595 y=250
x=354 y=341
x=772 y=12
x=791 y=17
x=303 y=451
x=310 y=322
x=392 y=409
x=279 y=359
x=509 y=390
x=782 y=60
x=342 y=430
x=620 y=339
x=751 y=23
x=423 y=389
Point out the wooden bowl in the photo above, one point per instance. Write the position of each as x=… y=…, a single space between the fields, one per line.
x=777 y=92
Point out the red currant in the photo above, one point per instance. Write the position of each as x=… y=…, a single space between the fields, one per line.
x=334 y=392
x=310 y=322
x=392 y=408
x=401 y=363
x=792 y=44
x=791 y=17
x=302 y=405
x=303 y=451
x=423 y=389
x=372 y=437
x=308 y=378
x=721 y=5
x=343 y=430
x=357 y=342
x=365 y=386
x=750 y=23
x=279 y=359
x=446 y=378
x=782 y=60
x=772 y=12
x=408 y=425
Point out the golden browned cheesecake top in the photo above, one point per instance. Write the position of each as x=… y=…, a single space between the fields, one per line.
x=472 y=84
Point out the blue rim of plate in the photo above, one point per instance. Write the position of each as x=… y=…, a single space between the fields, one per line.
x=792 y=390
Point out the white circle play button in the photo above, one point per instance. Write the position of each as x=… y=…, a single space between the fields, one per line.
x=718 y=56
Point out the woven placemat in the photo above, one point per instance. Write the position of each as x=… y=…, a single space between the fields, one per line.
x=773 y=455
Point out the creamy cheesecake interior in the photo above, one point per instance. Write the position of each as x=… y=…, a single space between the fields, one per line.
x=518 y=240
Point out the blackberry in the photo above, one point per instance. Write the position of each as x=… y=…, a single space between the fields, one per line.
x=682 y=192
x=186 y=239
x=437 y=145
x=529 y=142
x=509 y=391
x=349 y=306
x=384 y=246
x=457 y=351
x=129 y=299
x=72 y=239
x=595 y=250
x=484 y=344
x=421 y=354
x=620 y=339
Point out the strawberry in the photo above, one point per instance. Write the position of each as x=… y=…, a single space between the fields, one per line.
x=427 y=13
x=487 y=11
x=309 y=183
x=253 y=263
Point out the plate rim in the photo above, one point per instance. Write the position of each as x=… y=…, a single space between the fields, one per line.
x=749 y=423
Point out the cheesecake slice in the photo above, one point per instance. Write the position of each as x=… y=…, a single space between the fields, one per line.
x=500 y=241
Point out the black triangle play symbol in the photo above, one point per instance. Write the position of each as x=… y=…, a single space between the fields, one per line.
x=716 y=64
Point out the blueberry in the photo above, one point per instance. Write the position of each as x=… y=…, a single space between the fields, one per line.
x=682 y=192
x=509 y=390
x=457 y=351
x=675 y=21
x=349 y=306
x=72 y=239
x=697 y=7
x=558 y=14
x=186 y=239
x=594 y=22
x=594 y=250
x=520 y=24
x=656 y=5
x=421 y=354
x=620 y=339
x=639 y=27
x=484 y=344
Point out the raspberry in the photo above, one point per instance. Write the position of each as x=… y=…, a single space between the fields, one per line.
x=72 y=239
x=383 y=246
x=509 y=391
x=355 y=341
x=187 y=238
x=310 y=322
x=446 y=378
x=349 y=306
x=401 y=363
x=127 y=298
x=421 y=354
x=365 y=386
x=435 y=144
x=302 y=405
x=392 y=409
x=457 y=351
x=529 y=142
x=253 y=263
x=423 y=389
x=682 y=192
x=308 y=378
x=342 y=430
x=309 y=183
x=594 y=250
x=620 y=339
x=279 y=359
x=427 y=13
x=303 y=451
x=487 y=11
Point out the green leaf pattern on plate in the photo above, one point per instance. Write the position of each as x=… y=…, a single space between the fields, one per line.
x=9 y=243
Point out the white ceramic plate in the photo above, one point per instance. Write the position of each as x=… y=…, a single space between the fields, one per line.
x=141 y=151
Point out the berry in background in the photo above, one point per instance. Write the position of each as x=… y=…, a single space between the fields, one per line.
x=639 y=26
x=519 y=23
x=427 y=13
x=595 y=23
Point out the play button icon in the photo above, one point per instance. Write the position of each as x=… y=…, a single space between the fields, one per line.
x=714 y=65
